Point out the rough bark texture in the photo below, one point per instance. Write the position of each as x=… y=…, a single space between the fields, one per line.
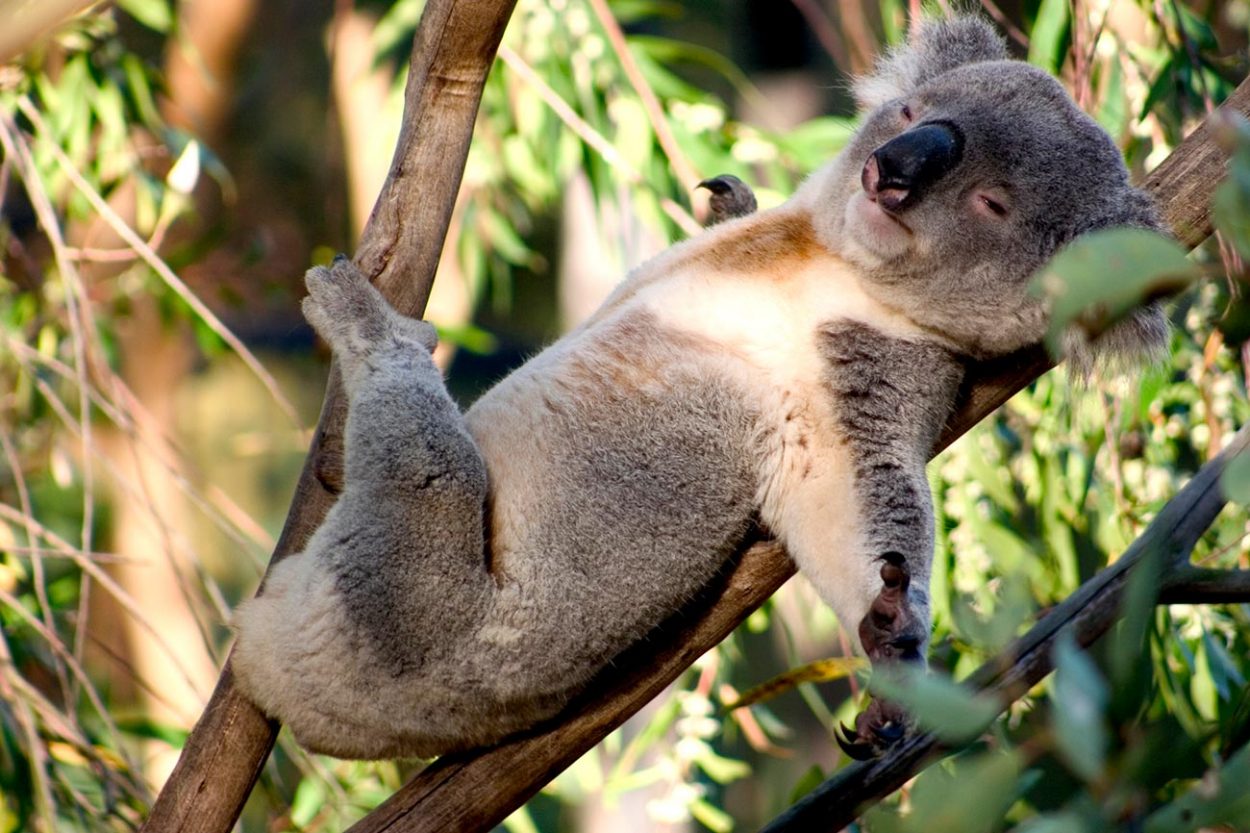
x=453 y=51
x=475 y=791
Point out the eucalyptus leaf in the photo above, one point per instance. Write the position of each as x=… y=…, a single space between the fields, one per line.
x=971 y=798
x=1220 y=797
x=1050 y=29
x=154 y=14
x=953 y=713
x=1235 y=479
x=1078 y=710
x=1095 y=281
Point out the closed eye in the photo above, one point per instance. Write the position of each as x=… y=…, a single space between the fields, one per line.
x=991 y=204
x=905 y=112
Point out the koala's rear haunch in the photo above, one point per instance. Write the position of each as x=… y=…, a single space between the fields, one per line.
x=790 y=368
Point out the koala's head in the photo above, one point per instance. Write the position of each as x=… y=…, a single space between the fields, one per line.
x=970 y=171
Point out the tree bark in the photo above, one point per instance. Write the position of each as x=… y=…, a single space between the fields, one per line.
x=452 y=53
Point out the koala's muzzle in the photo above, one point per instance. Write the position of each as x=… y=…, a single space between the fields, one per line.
x=898 y=172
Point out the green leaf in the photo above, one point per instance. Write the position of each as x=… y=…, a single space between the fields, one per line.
x=1095 y=281
x=711 y=817
x=953 y=713
x=971 y=799
x=720 y=769
x=820 y=671
x=1137 y=612
x=1219 y=798
x=1064 y=822
x=154 y=14
x=1050 y=29
x=1078 y=707
x=1235 y=479
x=310 y=796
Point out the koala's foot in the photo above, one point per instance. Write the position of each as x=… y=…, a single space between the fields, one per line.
x=353 y=317
x=731 y=198
x=890 y=633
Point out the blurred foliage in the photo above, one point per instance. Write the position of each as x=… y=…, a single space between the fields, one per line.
x=1030 y=504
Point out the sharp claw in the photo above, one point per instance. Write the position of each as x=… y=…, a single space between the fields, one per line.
x=848 y=740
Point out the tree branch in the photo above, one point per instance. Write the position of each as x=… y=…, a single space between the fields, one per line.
x=476 y=790
x=452 y=52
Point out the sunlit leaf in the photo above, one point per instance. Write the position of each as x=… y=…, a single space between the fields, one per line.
x=309 y=797
x=154 y=14
x=820 y=671
x=711 y=816
x=1050 y=30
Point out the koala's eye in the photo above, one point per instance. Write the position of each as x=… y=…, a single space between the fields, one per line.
x=990 y=203
x=905 y=112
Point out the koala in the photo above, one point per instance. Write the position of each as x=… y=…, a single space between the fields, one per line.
x=786 y=371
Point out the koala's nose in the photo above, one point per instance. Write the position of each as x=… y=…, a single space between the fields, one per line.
x=899 y=171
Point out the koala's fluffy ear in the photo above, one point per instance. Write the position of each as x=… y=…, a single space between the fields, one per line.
x=937 y=46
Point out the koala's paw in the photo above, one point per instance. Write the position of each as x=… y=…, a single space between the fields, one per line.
x=892 y=632
x=877 y=728
x=353 y=317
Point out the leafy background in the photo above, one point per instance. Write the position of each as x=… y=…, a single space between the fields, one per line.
x=167 y=176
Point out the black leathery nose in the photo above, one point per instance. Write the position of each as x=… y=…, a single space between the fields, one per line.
x=917 y=159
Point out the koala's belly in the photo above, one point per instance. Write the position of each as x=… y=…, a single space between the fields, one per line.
x=622 y=468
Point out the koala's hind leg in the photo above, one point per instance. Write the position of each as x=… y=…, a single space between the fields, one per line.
x=370 y=618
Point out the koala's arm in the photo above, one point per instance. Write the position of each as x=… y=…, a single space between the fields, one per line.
x=862 y=531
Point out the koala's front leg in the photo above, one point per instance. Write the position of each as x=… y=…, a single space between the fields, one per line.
x=889 y=398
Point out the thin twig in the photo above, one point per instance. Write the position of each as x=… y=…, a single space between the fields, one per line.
x=826 y=35
x=686 y=174
x=128 y=603
x=593 y=138
x=152 y=259
x=1013 y=31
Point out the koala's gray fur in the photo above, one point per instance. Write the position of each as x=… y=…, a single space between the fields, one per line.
x=789 y=368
